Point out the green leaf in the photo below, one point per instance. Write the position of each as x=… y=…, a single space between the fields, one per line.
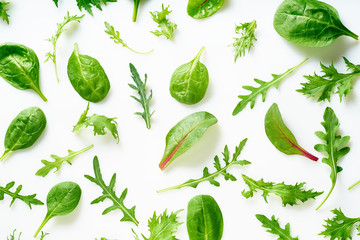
x=199 y=9
x=88 y=4
x=247 y=39
x=167 y=28
x=141 y=89
x=135 y=10
x=3 y=11
x=184 y=135
x=280 y=136
x=321 y=87
x=310 y=23
x=262 y=89
x=99 y=123
x=289 y=194
x=28 y=199
x=274 y=227
x=220 y=170
x=335 y=146
x=59 y=161
x=109 y=193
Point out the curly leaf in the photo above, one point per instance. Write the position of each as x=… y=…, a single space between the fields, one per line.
x=274 y=227
x=167 y=28
x=247 y=39
x=3 y=11
x=28 y=199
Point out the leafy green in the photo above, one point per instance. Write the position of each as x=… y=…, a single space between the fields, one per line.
x=189 y=81
x=135 y=10
x=340 y=226
x=321 y=87
x=199 y=9
x=99 y=122
x=3 y=11
x=24 y=130
x=184 y=135
x=167 y=28
x=60 y=29
x=88 y=4
x=109 y=193
x=289 y=194
x=61 y=200
x=115 y=35
x=274 y=227
x=280 y=136
x=262 y=89
x=19 y=66
x=59 y=161
x=246 y=41
x=162 y=227
x=310 y=23
x=143 y=100
x=220 y=170
x=12 y=236
x=334 y=146
x=28 y=199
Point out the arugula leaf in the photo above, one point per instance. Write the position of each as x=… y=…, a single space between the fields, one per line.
x=99 y=122
x=28 y=199
x=262 y=89
x=3 y=11
x=88 y=4
x=289 y=194
x=162 y=227
x=167 y=27
x=220 y=170
x=109 y=193
x=334 y=146
x=247 y=39
x=274 y=227
x=321 y=87
x=115 y=35
x=59 y=161
x=61 y=28
x=143 y=100
x=12 y=236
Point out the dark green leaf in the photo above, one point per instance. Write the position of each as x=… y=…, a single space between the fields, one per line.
x=28 y=199
x=203 y=8
x=167 y=28
x=274 y=227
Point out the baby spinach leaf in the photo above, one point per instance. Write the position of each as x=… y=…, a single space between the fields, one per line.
x=24 y=130
x=87 y=76
x=335 y=146
x=28 y=199
x=167 y=28
x=109 y=193
x=184 y=135
x=309 y=23
x=204 y=218
x=19 y=66
x=3 y=11
x=247 y=39
x=189 y=81
x=262 y=89
x=59 y=161
x=280 y=136
x=220 y=170
x=274 y=227
x=61 y=200
x=203 y=8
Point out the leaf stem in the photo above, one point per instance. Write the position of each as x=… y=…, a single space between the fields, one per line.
x=40 y=94
x=47 y=218
x=5 y=154
x=137 y=51
x=354 y=185
x=135 y=10
x=327 y=196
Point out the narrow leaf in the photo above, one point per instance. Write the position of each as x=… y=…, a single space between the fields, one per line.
x=273 y=227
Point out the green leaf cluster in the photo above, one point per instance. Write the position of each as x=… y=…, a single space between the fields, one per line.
x=247 y=39
x=273 y=227
x=88 y=4
x=167 y=28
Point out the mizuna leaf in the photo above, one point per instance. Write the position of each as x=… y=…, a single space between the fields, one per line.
x=3 y=11
x=262 y=89
x=184 y=135
x=280 y=136
x=220 y=170
x=109 y=193
x=273 y=227
x=247 y=39
x=289 y=194
x=167 y=28
x=335 y=146
x=28 y=199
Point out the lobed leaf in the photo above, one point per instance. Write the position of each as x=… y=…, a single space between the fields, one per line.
x=167 y=28
x=3 y=11
x=247 y=39
x=273 y=227
x=28 y=199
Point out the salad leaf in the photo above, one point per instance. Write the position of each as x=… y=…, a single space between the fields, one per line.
x=3 y=11
x=289 y=194
x=28 y=199
x=88 y=4
x=274 y=227
x=220 y=170
x=167 y=28
x=247 y=39
x=199 y=9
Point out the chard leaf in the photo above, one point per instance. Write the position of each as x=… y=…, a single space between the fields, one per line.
x=3 y=11
x=199 y=9
x=247 y=39
x=280 y=136
x=274 y=227
x=167 y=28
x=28 y=199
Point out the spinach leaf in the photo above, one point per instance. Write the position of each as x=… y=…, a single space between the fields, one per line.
x=24 y=130
x=19 y=66
x=204 y=218
x=280 y=136
x=61 y=200
x=28 y=199
x=274 y=227
x=203 y=8
x=185 y=134
x=189 y=81
x=309 y=23
x=87 y=76
x=3 y=11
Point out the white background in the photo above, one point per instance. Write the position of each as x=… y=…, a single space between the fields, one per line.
x=135 y=159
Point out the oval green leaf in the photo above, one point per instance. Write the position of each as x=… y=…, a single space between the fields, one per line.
x=19 y=66
x=185 y=134
x=189 y=82
x=87 y=76
x=204 y=219
x=203 y=8
x=309 y=23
